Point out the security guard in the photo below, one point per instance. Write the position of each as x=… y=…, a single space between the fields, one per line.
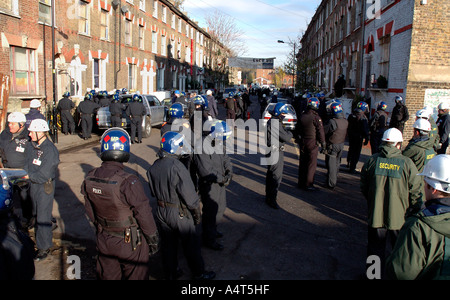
x=392 y=190
x=310 y=130
x=42 y=166
x=277 y=136
x=214 y=171
x=358 y=132
x=136 y=110
x=16 y=247
x=377 y=127
x=335 y=134
x=116 y=203
x=420 y=148
x=426 y=113
x=65 y=106
x=422 y=250
x=116 y=109
x=178 y=209
x=14 y=146
x=86 y=109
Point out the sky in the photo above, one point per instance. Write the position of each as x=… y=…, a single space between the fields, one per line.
x=263 y=22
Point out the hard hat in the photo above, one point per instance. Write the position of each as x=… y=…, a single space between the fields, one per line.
x=176 y=110
x=209 y=92
x=362 y=106
x=443 y=106
x=280 y=108
x=313 y=103
x=17 y=117
x=422 y=124
x=115 y=145
x=392 y=135
x=177 y=92
x=220 y=130
x=423 y=114
x=172 y=142
x=437 y=173
x=382 y=105
x=35 y=103
x=38 y=125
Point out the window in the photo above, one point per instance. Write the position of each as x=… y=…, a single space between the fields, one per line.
x=104 y=25
x=96 y=73
x=179 y=25
x=155 y=9
x=45 y=11
x=187 y=30
x=128 y=39
x=163 y=46
x=173 y=21
x=188 y=55
x=23 y=70
x=164 y=14
x=385 y=43
x=142 y=5
x=83 y=18
x=141 y=37
x=132 y=77
x=154 y=42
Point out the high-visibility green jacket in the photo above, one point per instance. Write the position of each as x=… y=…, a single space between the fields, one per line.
x=390 y=184
x=420 y=150
x=422 y=250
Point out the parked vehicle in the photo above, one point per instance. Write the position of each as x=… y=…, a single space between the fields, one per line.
x=227 y=92
x=156 y=114
x=289 y=121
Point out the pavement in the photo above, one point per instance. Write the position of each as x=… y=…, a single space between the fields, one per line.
x=69 y=142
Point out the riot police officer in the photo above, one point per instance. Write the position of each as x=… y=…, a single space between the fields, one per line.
x=42 y=165
x=277 y=136
x=178 y=210
x=175 y=122
x=358 y=132
x=136 y=111
x=378 y=125
x=86 y=109
x=310 y=129
x=400 y=114
x=64 y=107
x=214 y=171
x=16 y=247
x=116 y=203
x=335 y=134
x=116 y=109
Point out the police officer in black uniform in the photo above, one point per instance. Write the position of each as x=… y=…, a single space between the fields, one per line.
x=136 y=110
x=86 y=109
x=14 y=146
x=116 y=109
x=310 y=130
x=335 y=133
x=116 y=203
x=358 y=132
x=42 y=166
x=378 y=125
x=400 y=114
x=64 y=107
x=214 y=171
x=178 y=210
x=175 y=122
x=277 y=136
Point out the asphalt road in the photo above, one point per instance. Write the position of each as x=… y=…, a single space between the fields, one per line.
x=315 y=235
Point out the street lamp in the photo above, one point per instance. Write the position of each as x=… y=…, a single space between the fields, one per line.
x=294 y=63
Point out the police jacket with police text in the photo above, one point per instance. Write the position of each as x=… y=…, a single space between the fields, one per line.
x=112 y=194
x=422 y=245
x=42 y=162
x=390 y=184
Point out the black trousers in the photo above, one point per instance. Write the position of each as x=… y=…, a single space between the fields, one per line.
x=136 y=125
x=377 y=239
x=308 y=163
x=274 y=176
x=354 y=151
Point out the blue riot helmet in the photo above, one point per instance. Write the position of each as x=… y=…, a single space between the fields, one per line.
x=116 y=98
x=124 y=91
x=220 y=130
x=172 y=142
x=115 y=145
x=66 y=94
x=199 y=100
x=137 y=98
x=313 y=103
x=88 y=97
x=362 y=106
x=382 y=105
x=280 y=108
x=183 y=94
x=398 y=99
x=231 y=95
x=336 y=108
x=176 y=111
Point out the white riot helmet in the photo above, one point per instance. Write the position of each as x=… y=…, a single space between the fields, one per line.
x=437 y=173
x=392 y=135
x=38 y=125
x=35 y=103
x=16 y=117
x=422 y=124
x=423 y=114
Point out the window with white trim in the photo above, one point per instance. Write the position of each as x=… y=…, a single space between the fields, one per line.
x=132 y=75
x=142 y=5
x=128 y=33
x=83 y=18
x=23 y=70
x=45 y=11
x=104 y=25
x=164 y=14
x=141 y=37
x=155 y=9
x=163 y=45
x=154 y=42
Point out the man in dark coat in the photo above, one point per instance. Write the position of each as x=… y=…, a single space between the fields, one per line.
x=399 y=115
x=116 y=109
x=65 y=106
x=443 y=124
x=136 y=111
x=358 y=132
x=377 y=127
x=86 y=109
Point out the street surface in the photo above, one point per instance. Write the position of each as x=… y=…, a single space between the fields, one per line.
x=315 y=235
